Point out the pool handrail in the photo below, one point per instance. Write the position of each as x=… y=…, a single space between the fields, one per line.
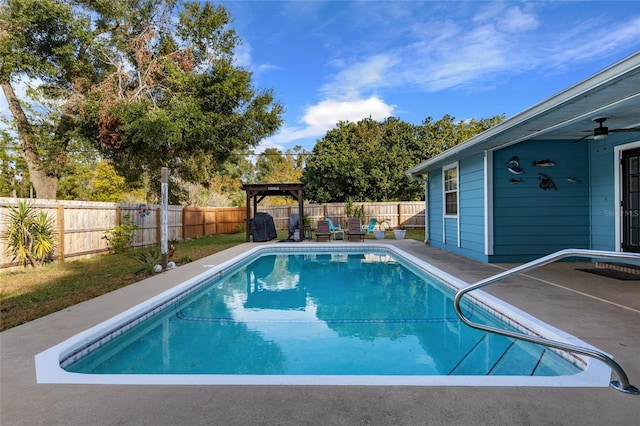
x=622 y=384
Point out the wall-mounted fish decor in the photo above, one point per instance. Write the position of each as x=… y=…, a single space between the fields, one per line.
x=546 y=182
x=513 y=165
x=513 y=181
x=573 y=180
x=544 y=163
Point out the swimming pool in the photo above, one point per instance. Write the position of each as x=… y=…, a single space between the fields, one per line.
x=252 y=308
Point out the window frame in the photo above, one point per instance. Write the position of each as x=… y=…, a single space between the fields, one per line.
x=446 y=179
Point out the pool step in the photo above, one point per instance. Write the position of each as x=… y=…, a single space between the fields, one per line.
x=483 y=356
x=521 y=357
x=497 y=355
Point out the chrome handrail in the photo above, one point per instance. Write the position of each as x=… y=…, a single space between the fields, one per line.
x=622 y=384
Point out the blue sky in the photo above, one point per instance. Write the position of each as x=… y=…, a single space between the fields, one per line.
x=341 y=60
x=328 y=61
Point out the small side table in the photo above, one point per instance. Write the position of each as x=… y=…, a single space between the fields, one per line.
x=308 y=233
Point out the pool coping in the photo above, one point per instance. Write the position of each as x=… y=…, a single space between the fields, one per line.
x=48 y=370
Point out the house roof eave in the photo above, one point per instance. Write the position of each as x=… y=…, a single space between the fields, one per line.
x=590 y=94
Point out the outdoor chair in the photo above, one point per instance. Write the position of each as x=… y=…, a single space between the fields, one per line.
x=369 y=228
x=335 y=230
x=354 y=229
x=323 y=234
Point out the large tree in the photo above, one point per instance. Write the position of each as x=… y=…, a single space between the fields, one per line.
x=152 y=83
x=364 y=161
x=367 y=160
x=44 y=44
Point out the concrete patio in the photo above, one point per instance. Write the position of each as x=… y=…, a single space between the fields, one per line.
x=602 y=311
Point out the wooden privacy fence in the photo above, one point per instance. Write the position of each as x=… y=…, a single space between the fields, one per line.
x=405 y=214
x=81 y=225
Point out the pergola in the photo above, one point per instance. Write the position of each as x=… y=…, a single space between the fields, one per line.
x=258 y=191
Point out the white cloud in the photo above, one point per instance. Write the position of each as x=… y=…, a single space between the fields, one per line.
x=515 y=20
x=243 y=57
x=602 y=40
x=320 y=118
x=362 y=75
x=328 y=113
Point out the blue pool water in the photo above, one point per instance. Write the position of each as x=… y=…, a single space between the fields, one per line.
x=347 y=313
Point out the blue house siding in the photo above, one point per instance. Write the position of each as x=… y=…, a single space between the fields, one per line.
x=451 y=231
x=471 y=203
x=602 y=198
x=434 y=208
x=470 y=210
x=603 y=186
x=529 y=221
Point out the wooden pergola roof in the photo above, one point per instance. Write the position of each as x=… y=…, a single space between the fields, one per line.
x=257 y=192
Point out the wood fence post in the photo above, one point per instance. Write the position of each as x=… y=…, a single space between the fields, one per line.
x=184 y=222
x=60 y=226
x=118 y=216
x=204 y=222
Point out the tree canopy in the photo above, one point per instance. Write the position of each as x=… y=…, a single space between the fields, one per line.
x=366 y=160
x=149 y=83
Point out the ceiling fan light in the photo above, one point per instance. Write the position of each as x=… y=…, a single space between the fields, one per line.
x=600 y=136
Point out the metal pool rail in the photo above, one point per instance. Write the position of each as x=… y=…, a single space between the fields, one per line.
x=622 y=384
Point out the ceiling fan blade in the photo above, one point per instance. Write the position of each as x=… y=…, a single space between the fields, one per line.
x=634 y=129
x=583 y=138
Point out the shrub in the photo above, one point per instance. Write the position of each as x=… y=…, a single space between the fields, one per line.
x=149 y=258
x=30 y=235
x=121 y=237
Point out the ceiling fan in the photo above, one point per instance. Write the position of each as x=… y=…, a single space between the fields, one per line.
x=602 y=131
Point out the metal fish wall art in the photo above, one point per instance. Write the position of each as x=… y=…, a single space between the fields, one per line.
x=513 y=165
x=546 y=183
x=514 y=181
x=544 y=163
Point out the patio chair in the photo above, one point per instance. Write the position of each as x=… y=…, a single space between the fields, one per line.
x=369 y=228
x=335 y=230
x=322 y=231
x=354 y=229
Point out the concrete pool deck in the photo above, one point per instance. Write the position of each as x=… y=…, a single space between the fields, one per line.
x=601 y=311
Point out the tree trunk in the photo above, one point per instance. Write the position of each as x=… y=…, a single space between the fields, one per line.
x=45 y=184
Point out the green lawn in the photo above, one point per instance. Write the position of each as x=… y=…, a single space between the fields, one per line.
x=33 y=293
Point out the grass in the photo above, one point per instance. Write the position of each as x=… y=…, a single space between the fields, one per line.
x=29 y=294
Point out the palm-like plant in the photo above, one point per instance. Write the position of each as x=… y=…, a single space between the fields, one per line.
x=30 y=234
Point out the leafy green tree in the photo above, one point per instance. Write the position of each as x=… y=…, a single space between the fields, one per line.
x=267 y=163
x=46 y=43
x=436 y=136
x=186 y=106
x=14 y=174
x=153 y=91
x=272 y=166
x=366 y=161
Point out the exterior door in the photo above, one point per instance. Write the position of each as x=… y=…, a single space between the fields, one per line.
x=631 y=200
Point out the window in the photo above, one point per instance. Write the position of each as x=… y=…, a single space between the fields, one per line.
x=450 y=182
